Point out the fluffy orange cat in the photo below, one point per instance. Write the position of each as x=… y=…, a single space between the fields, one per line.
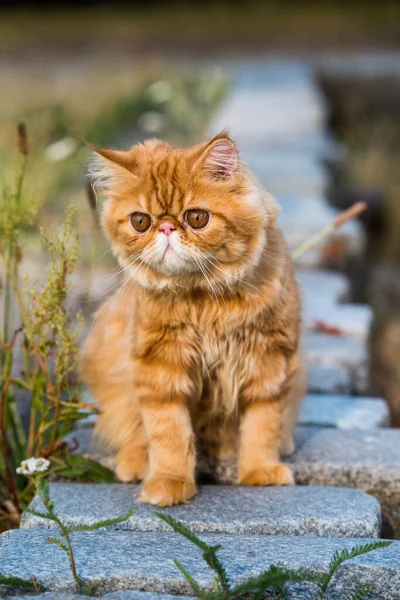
x=199 y=349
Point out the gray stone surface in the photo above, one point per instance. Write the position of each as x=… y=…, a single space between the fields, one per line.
x=122 y=595
x=344 y=412
x=365 y=460
x=322 y=293
x=134 y=560
x=368 y=461
x=330 y=288
x=345 y=319
x=347 y=352
x=329 y=379
x=295 y=511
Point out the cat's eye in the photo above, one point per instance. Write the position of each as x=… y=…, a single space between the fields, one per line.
x=140 y=222
x=196 y=218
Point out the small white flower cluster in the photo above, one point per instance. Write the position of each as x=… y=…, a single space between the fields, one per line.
x=31 y=466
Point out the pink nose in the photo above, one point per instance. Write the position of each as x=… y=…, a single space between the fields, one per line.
x=167 y=228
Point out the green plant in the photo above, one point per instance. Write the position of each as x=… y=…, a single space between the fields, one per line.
x=41 y=485
x=39 y=318
x=17 y=582
x=272 y=580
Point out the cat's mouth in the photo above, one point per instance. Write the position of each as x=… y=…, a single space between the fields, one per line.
x=167 y=250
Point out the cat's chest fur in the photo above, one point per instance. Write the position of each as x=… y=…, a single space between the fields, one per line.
x=219 y=331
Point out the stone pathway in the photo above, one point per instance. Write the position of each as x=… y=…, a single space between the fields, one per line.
x=143 y=561
x=343 y=445
x=319 y=511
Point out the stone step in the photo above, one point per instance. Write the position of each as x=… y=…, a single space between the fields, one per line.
x=330 y=379
x=329 y=287
x=343 y=412
x=342 y=319
x=322 y=292
x=368 y=461
x=335 y=512
x=120 y=560
x=344 y=351
x=365 y=460
x=324 y=296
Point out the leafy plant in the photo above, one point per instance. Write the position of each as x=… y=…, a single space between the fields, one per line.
x=274 y=579
x=40 y=322
x=17 y=582
x=64 y=541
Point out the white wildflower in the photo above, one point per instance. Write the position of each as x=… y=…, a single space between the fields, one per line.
x=31 y=466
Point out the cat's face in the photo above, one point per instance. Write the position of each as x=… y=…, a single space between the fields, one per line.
x=181 y=215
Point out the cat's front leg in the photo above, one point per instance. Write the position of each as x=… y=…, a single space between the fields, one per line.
x=164 y=389
x=264 y=397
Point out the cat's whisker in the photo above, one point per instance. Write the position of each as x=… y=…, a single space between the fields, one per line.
x=119 y=269
x=104 y=305
x=219 y=281
x=208 y=281
x=197 y=258
x=112 y=300
x=124 y=297
x=108 y=290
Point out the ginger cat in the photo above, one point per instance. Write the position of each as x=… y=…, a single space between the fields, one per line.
x=199 y=349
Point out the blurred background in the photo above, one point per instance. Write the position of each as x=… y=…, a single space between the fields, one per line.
x=114 y=75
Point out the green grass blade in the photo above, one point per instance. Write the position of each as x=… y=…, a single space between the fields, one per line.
x=188 y=577
x=100 y=524
x=341 y=556
x=273 y=577
x=59 y=543
x=16 y=582
x=214 y=563
x=180 y=528
x=38 y=514
x=209 y=552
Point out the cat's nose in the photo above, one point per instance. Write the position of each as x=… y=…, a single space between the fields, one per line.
x=167 y=228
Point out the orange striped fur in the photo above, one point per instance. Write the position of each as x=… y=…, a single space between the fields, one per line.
x=199 y=349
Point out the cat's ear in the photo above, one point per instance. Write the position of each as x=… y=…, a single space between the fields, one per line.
x=109 y=166
x=220 y=158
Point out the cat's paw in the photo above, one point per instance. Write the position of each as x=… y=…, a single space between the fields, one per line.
x=131 y=467
x=163 y=491
x=279 y=474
